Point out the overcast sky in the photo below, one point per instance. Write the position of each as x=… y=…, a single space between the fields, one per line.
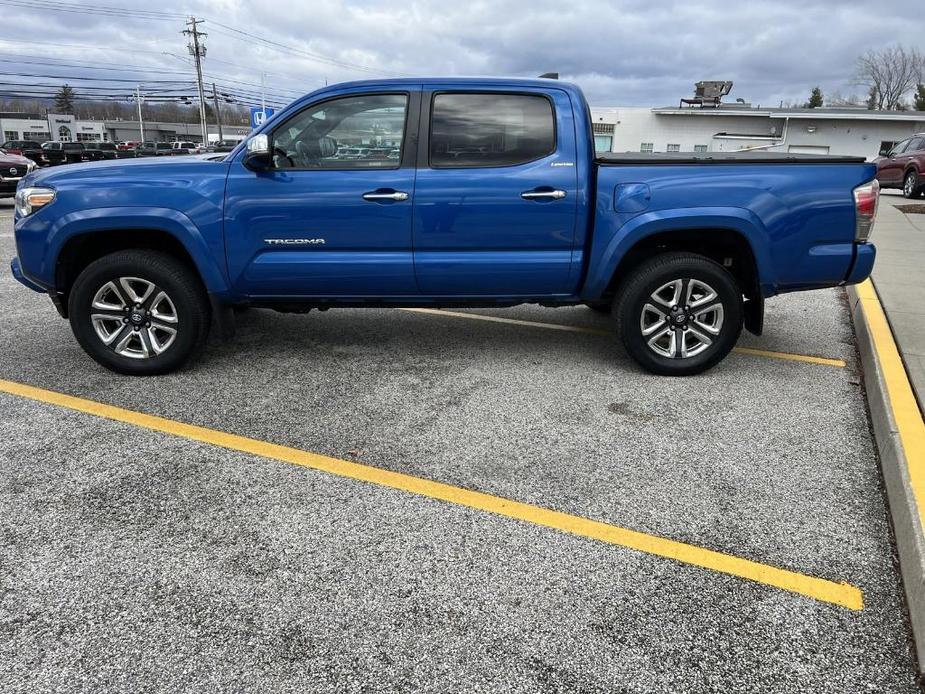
x=623 y=53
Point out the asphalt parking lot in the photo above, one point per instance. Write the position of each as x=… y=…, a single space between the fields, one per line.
x=136 y=560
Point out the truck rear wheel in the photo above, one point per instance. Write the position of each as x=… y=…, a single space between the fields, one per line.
x=679 y=314
x=139 y=312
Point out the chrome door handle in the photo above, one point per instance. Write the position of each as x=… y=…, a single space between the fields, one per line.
x=397 y=195
x=543 y=194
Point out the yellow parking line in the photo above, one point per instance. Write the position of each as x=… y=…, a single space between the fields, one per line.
x=842 y=594
x=809 y=359
x=905 y=408
x=825 y=361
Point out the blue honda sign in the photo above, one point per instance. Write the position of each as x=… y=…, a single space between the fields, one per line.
x=260 y=116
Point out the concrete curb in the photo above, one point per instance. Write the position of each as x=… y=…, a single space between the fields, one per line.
x=904 y=508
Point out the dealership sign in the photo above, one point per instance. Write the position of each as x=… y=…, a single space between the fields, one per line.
x=259 y=116
x=62 y=127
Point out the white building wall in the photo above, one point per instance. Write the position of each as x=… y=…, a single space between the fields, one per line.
x=849 y=137
x=634 y=126
x=25 y=129
x=688 y=129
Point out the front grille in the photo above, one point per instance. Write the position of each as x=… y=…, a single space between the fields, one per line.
x=15 y=171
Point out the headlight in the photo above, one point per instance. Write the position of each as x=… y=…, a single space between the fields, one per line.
x=28 y=200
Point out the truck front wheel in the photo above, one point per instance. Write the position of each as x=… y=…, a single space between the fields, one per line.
x=679 y=314
x=139 y=312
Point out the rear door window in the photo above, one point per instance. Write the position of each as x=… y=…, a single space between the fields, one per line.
x=899 y=148
x=476 y=130
x=917 y=144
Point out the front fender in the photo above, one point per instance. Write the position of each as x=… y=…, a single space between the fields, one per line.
x=207 y=254
x=615 y=235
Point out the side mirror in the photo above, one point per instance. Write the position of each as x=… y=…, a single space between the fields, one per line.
x=327 y=147
x=884 y=151
x=258 y=156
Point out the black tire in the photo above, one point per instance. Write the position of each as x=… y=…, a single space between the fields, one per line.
x=912 y=187
x=634 y=304
x=185 y=310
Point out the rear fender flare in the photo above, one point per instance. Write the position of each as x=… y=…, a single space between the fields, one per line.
x=643 y=226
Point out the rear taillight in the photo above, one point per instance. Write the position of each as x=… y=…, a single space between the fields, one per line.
x=14 y=151
x=866 y=198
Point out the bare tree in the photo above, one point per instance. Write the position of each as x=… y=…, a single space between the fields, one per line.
x=889 y=75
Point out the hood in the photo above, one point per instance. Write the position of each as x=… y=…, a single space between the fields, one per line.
x=7 y=159
x=123 y=168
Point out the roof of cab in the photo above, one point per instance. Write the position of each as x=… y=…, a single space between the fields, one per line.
x=462 y=81
x=398 y=82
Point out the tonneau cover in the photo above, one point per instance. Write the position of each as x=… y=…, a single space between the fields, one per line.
x=671 y=158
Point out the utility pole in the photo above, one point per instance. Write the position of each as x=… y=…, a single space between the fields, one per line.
x=263 y=96
x=141 y=124
x=218 y=113
x=198 y=51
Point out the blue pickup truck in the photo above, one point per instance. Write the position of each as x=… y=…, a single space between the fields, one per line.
x=439 y=192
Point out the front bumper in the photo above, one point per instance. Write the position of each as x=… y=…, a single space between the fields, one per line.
x=8 y=185
x=16 y=269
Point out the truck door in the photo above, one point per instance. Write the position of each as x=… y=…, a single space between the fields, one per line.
x=496 y=193
x=321 y=222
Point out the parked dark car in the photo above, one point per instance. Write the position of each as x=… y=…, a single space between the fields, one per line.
x=222 y=146
x=12 y=168
x=903 y=166
x=155 y=149
x=93 y=152
x=30 y=149
x=98 y=151
x=127 y=153
x=64 y=153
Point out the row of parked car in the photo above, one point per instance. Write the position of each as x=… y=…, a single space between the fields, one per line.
x=55 y=153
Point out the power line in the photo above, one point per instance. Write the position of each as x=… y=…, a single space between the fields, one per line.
x=91 y=79
x=81 y=8
x=241 y=35
x=232 y=32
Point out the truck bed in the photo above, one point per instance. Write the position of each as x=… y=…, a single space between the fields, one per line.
x=675 y=158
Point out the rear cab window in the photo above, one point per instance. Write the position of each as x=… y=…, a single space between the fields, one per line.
x=489 y=129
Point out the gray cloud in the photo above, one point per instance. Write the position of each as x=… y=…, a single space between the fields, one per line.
x=622 y=53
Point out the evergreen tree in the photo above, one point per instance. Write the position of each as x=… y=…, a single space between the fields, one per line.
x=815 y=98
x=64 y=100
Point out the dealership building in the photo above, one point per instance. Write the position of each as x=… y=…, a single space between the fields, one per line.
x=67 y=128
x=730 y=127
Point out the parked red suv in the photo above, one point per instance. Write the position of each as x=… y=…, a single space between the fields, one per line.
x=904 y=166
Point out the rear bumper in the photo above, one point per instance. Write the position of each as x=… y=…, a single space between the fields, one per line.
x=16 y=269
x=863 y=264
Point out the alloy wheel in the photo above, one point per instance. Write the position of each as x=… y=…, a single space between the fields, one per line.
x=682 y=318
x=134 y=317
